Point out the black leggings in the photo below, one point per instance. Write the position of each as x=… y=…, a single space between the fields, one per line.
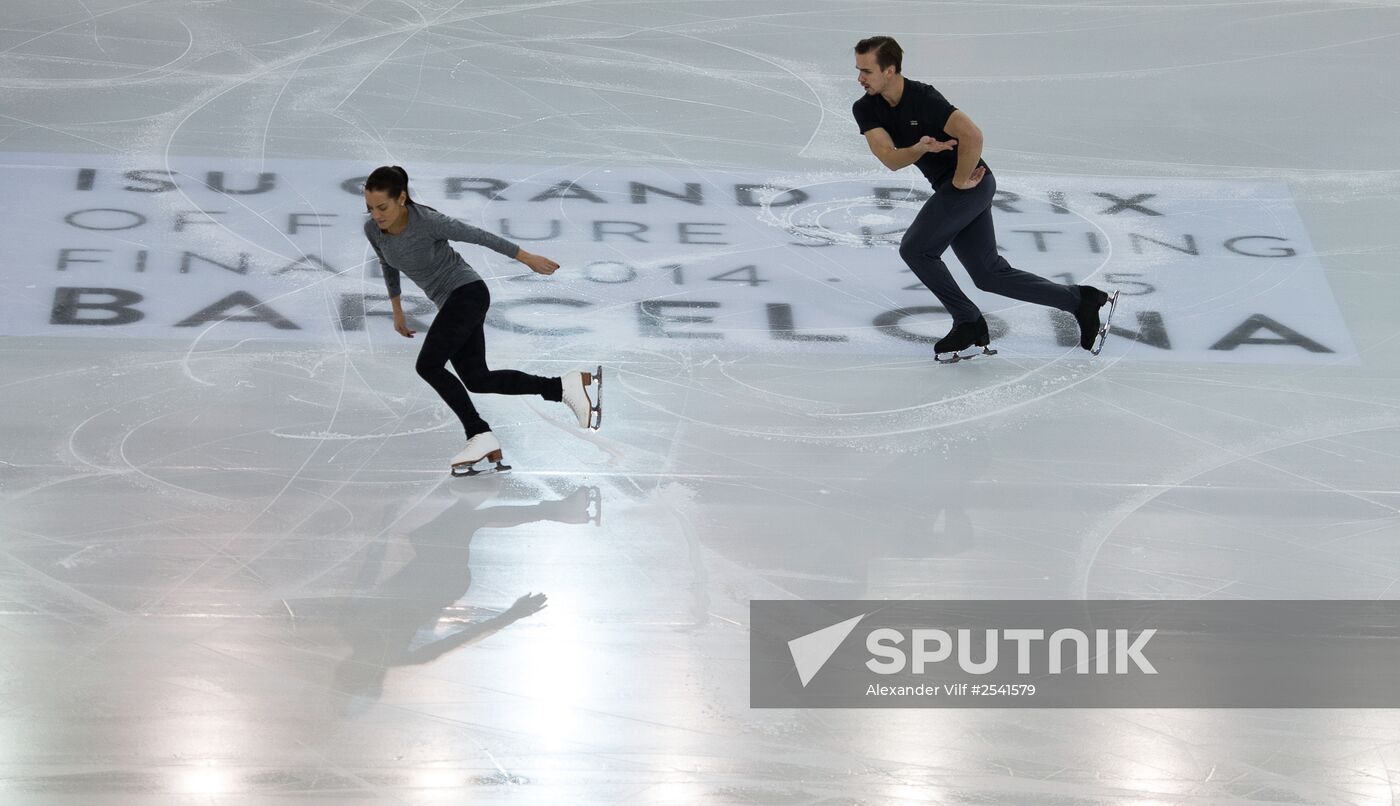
x=962 y=219
x=458 y=335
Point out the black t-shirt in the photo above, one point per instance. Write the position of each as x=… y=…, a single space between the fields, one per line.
x=921 y=111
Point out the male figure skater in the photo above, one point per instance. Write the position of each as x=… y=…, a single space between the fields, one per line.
x=907 y=122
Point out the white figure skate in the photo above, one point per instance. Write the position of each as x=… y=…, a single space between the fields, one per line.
x=482 y=446
x=588 y=411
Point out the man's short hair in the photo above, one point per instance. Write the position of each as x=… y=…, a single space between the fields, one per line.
x=887 y=51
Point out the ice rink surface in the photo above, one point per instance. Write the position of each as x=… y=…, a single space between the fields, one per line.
x=233 y=569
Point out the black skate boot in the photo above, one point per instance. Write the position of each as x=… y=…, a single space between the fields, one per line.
x=1092 y=331
x=962 y=336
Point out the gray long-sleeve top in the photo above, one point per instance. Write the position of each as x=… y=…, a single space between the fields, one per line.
x=422 y=252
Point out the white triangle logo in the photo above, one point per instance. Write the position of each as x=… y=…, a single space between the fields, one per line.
x=811 y=652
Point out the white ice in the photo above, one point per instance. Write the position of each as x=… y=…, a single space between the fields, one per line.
x=233 y=569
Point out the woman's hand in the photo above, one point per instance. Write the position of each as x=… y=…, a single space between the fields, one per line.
x=529 y=604
x=401 y=325
x=539 y=264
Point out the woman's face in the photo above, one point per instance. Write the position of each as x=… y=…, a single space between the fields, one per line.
x=384 y=209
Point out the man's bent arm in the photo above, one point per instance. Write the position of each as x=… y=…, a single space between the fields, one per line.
x=969 y=138
x=893 y=158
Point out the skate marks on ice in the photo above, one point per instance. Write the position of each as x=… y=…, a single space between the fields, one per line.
x=1193 y=533
x=861 y=404
x=162 y=466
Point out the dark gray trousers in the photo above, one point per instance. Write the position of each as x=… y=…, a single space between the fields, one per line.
x=962 y=219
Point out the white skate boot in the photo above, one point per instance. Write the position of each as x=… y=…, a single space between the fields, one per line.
x=576 y=397
x=482 y=446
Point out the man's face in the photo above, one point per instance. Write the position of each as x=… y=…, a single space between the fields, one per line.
x=869 y=74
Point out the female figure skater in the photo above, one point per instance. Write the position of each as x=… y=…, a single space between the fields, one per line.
x=412 y=238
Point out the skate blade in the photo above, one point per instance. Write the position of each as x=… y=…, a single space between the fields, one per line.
x=986 y=350
x=1103 y=329
x=467 y=471
x=595 y=412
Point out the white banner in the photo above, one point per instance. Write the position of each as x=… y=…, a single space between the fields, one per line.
x=217 y=249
